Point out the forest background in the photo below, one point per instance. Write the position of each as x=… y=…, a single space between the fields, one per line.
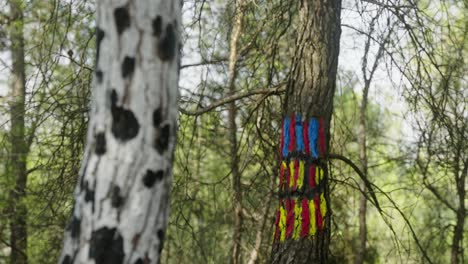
x=403 y=60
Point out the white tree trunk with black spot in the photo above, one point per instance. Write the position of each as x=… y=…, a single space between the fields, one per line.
x=122 y=197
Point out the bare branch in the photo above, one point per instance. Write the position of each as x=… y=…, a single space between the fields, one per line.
x=279 y=89
x=369 y=187
x=361 y=175
x=202 y=63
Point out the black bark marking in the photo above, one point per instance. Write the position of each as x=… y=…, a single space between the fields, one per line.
x=162 y=139
x=117 y=199
x=167 y=45
x=128 y=66
x=82 y=175
x=99 y=37
x=125 y=126
x=161 y=240
x=147 y=259
x=100 y=143
x=139 y=261
x=106 y=246
x=157 y=26
x=67 y=260
x=114 y=97
x=89 y=193
x=136 y=240
x=75 y=227
x=157 y=117
x=122 y=19
x=99 y=76
x=152 y=177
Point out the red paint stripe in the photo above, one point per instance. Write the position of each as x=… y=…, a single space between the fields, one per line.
x=287 y=174
x=282 y=139
x=318 y=214
x=305 y=132
x=292 y=134
x=281 y=182
x=312 y=176
x=321 y=136
x=277 y=231
x=305 y=218
x=290 y=217
x=296 y=173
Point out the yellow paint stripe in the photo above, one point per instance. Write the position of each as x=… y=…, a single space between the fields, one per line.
x=300 y=179
x=291 y=174
x=284 y=167
x=313 y=225
x=317 y=172
x=297 y=220
x=318 y=175
x=323 y=206
x=282 y=223
x=283 y=163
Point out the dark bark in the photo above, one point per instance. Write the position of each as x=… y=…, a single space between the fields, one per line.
x=311 y=86
x=309 y=93
x=18 y=210
x=460 y=178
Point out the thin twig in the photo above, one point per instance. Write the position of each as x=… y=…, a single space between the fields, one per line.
x=361 y=175
x=279 y=89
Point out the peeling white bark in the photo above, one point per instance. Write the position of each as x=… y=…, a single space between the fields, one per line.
x=122 y=198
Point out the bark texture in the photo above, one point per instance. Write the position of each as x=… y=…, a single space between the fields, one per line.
x=18 y=210
x=121 y=204
x=310 y=93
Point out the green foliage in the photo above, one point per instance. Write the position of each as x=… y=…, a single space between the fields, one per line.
x=57 y=98
x=59 y=44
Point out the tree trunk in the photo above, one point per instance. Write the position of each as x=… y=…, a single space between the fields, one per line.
x=457 y=240
x=232 y=113
x=302 y=227
x=367 y=75
x=362 y=142
x=121 y=204
x=18 y=210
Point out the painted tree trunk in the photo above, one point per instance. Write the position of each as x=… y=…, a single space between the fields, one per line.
x=302 y=227
x=17 y=164
x=121 y=204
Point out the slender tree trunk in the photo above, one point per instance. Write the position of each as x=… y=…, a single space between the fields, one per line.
x=232 y=113
x=18 y=212
x=457 y=247
x=121 y=204
x=261 y=229
x=457 y=240
x=362 y=142
x=302 y=228
x=367 y=75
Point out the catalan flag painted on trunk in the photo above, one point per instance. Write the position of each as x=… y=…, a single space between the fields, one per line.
x=302 y=207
